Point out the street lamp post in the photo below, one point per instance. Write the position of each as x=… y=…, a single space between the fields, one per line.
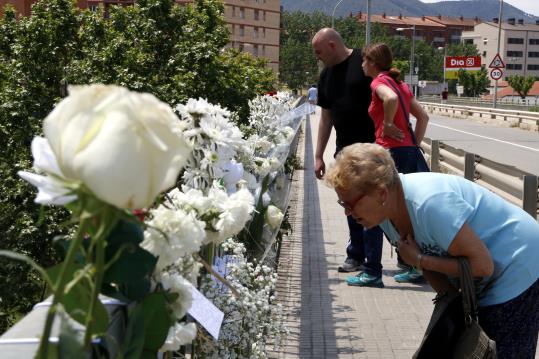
x=412 y=53
x=497 y=52
x=333 y=14
x=445 y=55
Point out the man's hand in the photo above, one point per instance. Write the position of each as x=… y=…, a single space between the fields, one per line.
x=319 y=168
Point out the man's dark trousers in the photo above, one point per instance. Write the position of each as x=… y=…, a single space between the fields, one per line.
x=365 y=246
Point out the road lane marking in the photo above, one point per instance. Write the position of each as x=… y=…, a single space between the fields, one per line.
x=485 y=137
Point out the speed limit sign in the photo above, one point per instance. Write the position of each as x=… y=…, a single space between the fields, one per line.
x=496 y=74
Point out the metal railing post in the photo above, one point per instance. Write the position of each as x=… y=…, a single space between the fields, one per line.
x=469 y=166
x=435 y=156
x=529 y=195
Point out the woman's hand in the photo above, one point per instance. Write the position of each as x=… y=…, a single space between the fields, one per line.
x=409 y=250
x=390 y=130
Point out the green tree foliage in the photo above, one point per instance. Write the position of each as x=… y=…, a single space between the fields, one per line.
x=175 y=52
x=35 y=51
x=521 y=84
x=475 y=83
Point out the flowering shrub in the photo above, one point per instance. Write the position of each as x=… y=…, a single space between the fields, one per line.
x=252 y=318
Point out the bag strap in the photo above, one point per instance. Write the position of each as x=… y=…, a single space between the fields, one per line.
x=401 y=101
x=467 y=289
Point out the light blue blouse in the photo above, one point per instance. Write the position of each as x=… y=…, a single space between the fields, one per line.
x=440 y=204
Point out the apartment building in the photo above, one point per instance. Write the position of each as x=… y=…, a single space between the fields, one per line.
x=254 y=24
x=435 y=30
x=519 y=45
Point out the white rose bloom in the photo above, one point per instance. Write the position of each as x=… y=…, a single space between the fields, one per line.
x=275 y=164
x=178 y=335
x=126 y=147
x=274 y=216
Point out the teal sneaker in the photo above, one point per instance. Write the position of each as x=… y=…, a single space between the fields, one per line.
x=365 y=280
x=410 y=276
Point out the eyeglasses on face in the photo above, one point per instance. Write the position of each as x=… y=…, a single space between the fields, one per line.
x=350 y=207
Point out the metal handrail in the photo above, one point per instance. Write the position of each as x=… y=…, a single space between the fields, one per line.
x=516 y=186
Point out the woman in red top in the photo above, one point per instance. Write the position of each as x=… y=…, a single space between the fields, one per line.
x=392 y=102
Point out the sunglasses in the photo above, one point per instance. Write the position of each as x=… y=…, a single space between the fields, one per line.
x=350 y=207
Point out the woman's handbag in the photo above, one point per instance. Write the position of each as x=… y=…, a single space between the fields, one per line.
x=453 y=331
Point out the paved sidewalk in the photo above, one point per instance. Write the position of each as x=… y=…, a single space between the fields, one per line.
x=326 y=317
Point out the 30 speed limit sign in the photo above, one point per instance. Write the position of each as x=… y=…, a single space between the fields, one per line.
x=496 y=74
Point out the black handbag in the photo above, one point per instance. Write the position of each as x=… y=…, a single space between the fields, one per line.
x=454 y=331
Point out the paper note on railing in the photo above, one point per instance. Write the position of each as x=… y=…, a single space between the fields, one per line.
x=206 y=314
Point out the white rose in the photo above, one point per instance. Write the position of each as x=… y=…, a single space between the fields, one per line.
x=274 y=216
x=125 y=146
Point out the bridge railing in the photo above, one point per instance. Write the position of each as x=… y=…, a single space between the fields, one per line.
x=516 y=186
x=509 y=103
x=511 y=118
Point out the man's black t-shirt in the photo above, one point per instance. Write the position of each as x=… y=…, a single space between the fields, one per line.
x=345 y=91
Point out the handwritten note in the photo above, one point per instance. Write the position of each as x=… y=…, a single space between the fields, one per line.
x=207 y=314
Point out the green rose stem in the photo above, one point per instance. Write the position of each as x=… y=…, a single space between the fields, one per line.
x=59 y=289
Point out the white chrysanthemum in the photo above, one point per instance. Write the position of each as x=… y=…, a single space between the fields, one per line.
x=178 y=335
x=184 y=231
x=175 y=283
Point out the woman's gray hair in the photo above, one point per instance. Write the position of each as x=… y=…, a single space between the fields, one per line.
x=362 y=166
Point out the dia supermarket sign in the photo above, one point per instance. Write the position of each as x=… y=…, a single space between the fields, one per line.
x=454 y=63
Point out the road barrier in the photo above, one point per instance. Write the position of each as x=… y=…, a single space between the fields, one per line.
x=511 y=118
x=516 y=186
x=507 y=103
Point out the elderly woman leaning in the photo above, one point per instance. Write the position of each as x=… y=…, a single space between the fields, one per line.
x=433 y=218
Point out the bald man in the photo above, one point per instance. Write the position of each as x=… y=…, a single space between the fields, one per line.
x=344 y=95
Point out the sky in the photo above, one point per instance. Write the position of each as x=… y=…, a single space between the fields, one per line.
x=529 y=6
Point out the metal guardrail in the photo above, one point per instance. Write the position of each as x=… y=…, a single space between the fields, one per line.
x=516 y=186
x=523 y=119
x=510 y=104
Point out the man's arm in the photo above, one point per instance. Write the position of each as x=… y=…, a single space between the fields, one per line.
x=324 y=131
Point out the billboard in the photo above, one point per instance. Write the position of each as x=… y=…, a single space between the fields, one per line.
x=454 y=63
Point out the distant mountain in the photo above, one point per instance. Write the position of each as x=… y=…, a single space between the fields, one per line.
x=484 y=9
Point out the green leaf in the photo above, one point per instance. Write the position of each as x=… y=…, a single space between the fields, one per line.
x=136 y=290
x=77 y=300
x=69 y=345
x=134 y=336
x=125 y=232
x=133 y=264
x=156 y=321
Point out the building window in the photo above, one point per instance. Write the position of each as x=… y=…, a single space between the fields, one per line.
x=257 y=15
x=263 y=32
x=255 y=49
x=93 y=8
x=242 y=13
x=468 y=41
x=533 y=54
x=255 y=32
x=534 y=41
x=533 y=67
x=242 y=30
x=233 y=11
x=240 y=47
x=263 y=16
x=263 y=53
x=514 y=53
x=515 y=40
x=514 y=66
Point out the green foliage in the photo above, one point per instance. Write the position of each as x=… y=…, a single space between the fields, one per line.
x=475 y=83
x=521 y=84
x=175 y=52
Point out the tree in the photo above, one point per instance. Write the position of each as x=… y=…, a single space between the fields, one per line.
x=475 y=83
x=521 y=84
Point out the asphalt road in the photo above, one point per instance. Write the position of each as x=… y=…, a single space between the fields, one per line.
x=510 y=146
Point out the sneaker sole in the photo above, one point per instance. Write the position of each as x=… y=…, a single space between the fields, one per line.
x=344 y=270
x=371 y=285
x=414 y=281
